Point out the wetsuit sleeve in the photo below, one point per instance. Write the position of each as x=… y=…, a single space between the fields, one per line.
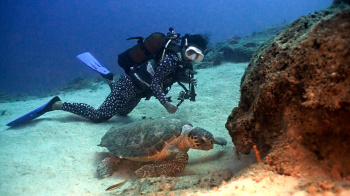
x=166 y=67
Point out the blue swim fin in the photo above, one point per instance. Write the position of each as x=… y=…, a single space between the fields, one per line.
x=94 y=64
x=35 y=113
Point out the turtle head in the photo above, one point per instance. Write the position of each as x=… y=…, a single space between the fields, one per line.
x=200 y=139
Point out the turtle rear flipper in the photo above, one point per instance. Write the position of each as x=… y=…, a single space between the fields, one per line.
x=108 y=166
x=168 y=168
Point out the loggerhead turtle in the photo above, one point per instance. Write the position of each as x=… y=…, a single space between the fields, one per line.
x=162 y=143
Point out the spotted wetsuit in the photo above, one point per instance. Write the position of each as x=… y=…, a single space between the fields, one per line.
x=125 y=95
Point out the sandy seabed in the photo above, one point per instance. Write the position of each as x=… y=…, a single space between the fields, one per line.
x=57 y=154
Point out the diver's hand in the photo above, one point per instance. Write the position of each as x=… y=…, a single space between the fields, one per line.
x=170 y=107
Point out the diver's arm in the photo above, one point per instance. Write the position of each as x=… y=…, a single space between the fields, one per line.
x=166 y=67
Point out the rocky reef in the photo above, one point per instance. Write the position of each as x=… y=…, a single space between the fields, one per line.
x=295 y=98
x=238 y=49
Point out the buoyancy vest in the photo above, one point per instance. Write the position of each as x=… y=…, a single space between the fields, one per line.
x=142 y=76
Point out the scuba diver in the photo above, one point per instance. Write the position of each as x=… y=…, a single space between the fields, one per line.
x=157 y=72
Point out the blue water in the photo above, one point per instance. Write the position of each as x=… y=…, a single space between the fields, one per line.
x=40 y=39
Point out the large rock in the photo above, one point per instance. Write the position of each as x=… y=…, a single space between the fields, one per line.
x=295 y=98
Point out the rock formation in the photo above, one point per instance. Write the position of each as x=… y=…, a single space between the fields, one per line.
x=237 y=49
x=295 y=98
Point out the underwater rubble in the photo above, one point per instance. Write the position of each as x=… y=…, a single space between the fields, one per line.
x=182 y=185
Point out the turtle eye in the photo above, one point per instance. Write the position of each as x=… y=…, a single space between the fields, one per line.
x=201 y=142
x=201 y=139
x=197 y=142
x=207 y=142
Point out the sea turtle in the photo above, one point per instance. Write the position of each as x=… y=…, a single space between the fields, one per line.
x=162 y=143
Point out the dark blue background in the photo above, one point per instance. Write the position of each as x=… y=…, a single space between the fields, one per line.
x=40 y=39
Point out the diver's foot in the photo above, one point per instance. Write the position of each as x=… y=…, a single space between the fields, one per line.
x=57 y=105
x=54 y=104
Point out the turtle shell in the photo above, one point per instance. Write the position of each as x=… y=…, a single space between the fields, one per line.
x=142 y=138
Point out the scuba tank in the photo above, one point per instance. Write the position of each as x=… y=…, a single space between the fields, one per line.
x=146 y=49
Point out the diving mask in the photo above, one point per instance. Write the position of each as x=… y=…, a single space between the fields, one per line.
x=194 y=54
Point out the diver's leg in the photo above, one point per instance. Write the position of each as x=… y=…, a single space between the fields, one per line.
x=122 y=98
x=126 y=96
x=103 y=113
x=125 y=109
x=86 y=111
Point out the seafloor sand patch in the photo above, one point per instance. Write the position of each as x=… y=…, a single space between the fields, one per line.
x=57 y=154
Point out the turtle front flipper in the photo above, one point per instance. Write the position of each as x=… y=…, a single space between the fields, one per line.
x=108 y=166
x=168 y=167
